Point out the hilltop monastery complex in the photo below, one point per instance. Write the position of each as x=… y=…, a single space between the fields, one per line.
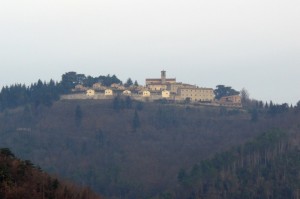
x=178 y=90
x=155 y=89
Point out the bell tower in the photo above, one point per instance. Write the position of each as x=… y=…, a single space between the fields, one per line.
x=163 y=77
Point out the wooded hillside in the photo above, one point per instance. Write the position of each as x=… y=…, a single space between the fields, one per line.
x=267 y=167
x=126 y=149
x=22 y=180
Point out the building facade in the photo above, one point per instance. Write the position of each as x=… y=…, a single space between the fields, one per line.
x=233 y=99
x=162 y=81
x=173 y=88
x=196 y=94
x=157 y=87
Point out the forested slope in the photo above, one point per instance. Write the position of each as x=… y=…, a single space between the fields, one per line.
x=267 y=167
x=126 y=149
x=22 y=180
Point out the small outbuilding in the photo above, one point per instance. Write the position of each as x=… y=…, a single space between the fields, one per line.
x=97 y=86
x=108 y=92
x=80 y=87
x=90 y=92
x=146 y=94
x=127 y=92
x=235 y=99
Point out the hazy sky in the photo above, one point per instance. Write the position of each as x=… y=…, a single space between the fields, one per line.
x=253 y=44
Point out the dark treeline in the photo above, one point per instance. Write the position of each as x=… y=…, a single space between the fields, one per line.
x=45 y=93
x=40 y=93
x=257 y=106
x=71 y=79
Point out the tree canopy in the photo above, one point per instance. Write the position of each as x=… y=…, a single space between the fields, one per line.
x=45 y=93
x=222 y=91
x=40 y=93
x=71 y=79
x=128 y=83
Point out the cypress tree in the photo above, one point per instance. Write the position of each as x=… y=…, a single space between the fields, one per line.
x=78 y=116
x=136 y=121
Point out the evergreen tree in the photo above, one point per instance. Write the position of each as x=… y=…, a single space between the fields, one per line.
x=182 y=175
x=116 y=104
x=136 y=121
x=139 y=106
x=27 y=115
x=254 y=115
x=266 y=105
x=222 y=91
x=245 y=97
x=68 y=81
x=7 y=152
x=78 y=116
x=128 y=83
x=128 y=102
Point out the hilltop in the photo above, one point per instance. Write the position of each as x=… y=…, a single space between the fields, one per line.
x=80 y=86
x=126 y=148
